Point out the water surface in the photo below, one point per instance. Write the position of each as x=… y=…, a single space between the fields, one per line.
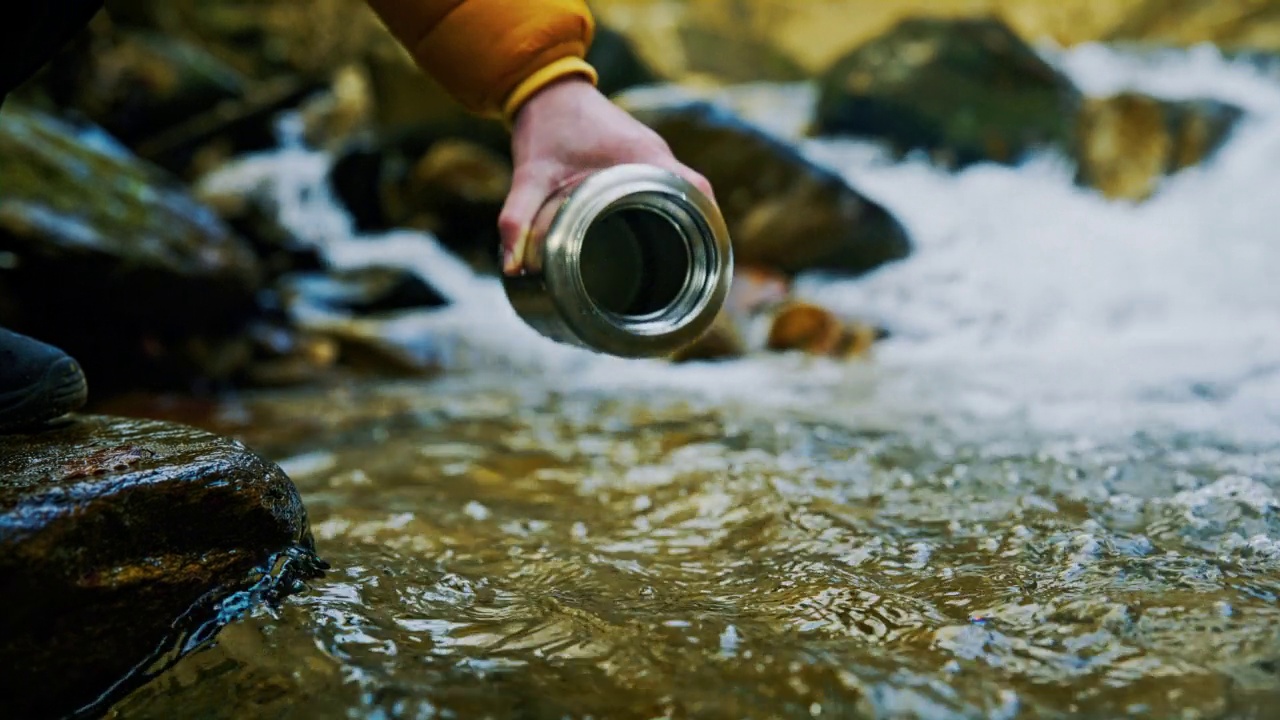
x=1051 y=494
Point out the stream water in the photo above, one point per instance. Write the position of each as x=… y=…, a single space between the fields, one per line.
x=1051 y=493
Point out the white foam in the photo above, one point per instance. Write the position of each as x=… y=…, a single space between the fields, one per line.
x=1028 y=300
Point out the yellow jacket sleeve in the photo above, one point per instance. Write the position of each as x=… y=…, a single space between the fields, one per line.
x=492 y=55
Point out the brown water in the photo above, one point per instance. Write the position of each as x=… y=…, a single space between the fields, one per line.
x=532 y=555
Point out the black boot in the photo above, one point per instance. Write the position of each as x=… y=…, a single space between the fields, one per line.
x=38 y=382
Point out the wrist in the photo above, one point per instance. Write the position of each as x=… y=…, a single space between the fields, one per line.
x=557 y=84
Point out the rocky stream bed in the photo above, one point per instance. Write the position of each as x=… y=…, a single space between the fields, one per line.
x=987 y=431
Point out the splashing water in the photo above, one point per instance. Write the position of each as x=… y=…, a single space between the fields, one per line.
x=1027 y=300
x=1052 y=492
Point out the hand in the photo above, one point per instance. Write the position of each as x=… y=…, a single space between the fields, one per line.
x=566 y=131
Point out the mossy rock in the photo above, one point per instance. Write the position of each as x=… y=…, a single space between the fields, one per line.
x=112 y=258
x=964 y=91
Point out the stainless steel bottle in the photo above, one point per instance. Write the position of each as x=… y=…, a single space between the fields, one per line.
x=632 y=261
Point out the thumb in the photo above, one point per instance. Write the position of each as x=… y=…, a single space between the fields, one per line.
x=528 y=193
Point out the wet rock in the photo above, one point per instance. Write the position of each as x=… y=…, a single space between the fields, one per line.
x=965 y=91
x=139 y=83
x=783 y=210
x=448 y=179
x=809 y=328
x=125 y=540
x=369 y=290
x=332 y=117
x=168 y=99
x=752 y=290
x=761 y=315
x=108 y=257
x=1127 y=143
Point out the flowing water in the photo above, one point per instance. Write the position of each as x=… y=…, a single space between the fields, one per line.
x=1052 y=493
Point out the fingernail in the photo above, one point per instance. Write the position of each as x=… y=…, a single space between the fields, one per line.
x=514 y=255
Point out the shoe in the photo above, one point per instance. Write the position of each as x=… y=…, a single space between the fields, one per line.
x=38 y=382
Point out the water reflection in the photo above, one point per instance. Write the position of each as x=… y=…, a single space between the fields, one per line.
x=509 y=554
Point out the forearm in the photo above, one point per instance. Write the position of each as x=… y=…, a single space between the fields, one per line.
x=491 y=55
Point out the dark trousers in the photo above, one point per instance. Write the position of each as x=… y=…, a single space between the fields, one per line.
x=33 y=31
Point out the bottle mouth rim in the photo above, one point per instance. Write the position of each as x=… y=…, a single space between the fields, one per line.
x=682 y=208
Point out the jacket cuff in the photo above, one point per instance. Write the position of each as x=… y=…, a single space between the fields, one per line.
x=556 y=70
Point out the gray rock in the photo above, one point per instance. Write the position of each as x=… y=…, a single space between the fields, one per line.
x=126 y=543
x=111 y=258
x=783 y=210
x=964 y=91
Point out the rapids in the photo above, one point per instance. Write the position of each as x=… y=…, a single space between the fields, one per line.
x=1052 y=490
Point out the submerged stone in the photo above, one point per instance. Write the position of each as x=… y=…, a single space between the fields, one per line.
x=965 y=91
x=127 y=543
x=111 y=258
x=783 y=210
x=1127 y=143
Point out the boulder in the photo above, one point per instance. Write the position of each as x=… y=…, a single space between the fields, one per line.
x=1127 y=143
x=165 y=97
x=783 y=210
x=111 y=259
x=125 y=543
x=964 y=91
x=137 y=84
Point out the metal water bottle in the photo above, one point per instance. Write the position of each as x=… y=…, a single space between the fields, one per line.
x=633 y=261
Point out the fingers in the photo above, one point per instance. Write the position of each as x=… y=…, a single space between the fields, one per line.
x=528 y=192
x=694 y=178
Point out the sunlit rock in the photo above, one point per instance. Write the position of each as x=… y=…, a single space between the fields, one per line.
x=964 y=91
x=762 y=316
x=1229 y=24
x=125 y=543
x=801 y=326
x=1127 y=143
x=816 y=32
x=111 y=259
x=340 y=111
x=783 y=210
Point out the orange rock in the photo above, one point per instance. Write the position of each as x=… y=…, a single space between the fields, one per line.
x=815 y=330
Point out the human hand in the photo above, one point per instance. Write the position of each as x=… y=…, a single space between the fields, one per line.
x=565 y=132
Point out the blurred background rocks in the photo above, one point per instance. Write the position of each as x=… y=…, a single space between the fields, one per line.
x=204 y=290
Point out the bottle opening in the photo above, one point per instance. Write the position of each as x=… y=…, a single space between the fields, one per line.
x=634 y=262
